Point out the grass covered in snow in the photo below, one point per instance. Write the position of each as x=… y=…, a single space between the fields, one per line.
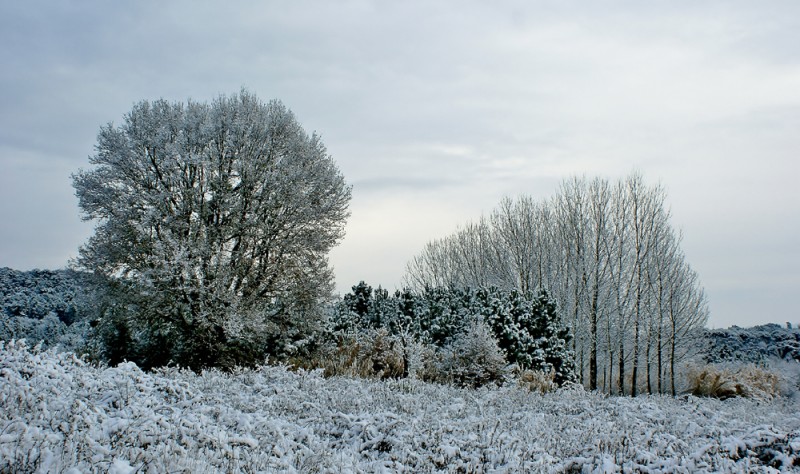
x=60 y=414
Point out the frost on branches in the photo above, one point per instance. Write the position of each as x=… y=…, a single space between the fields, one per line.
x=214 y=222
x=610 y=257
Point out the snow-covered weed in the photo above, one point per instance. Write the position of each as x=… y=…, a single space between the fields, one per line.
x=60 y=413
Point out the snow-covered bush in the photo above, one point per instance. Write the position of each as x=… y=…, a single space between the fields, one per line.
x=754 y=344
x=758 y=382
x=49 y=330
x=473 y=359
x=789 y=372
x=53 y=307
x=422 y=361
x=37 y=293
x=770 y=346
x=529 y=331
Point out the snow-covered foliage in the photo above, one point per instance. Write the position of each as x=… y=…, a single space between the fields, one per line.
x=770 y=347
x=754 y=344
x=48 y=306
x=473 y=359
x=527 y=328
x=524 y=326
x=214 y=221
x=61 y=414
x=371 y=354
x=536 y=381
x=35 y=294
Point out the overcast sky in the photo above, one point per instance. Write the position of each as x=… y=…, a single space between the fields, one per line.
x=436 y=110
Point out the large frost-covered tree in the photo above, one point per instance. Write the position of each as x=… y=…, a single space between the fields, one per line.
x=214 y=222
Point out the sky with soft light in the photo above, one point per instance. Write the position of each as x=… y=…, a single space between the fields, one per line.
x=436 y=110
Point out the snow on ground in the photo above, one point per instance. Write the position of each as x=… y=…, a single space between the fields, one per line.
x=60 y=414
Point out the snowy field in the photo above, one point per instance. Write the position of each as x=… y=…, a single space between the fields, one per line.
x=60 y=414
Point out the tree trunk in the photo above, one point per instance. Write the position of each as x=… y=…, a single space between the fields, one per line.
x=621 y=381
x=659 y=356
x=649 y=365
x=593 y=342
x=635 y=366
x=672 y=357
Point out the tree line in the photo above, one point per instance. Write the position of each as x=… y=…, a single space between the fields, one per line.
x=611 y=259
x=471 y=335
x=213 y=227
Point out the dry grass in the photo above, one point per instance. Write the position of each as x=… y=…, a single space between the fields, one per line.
x=537 y=381
x=748 y=381
x=374 y=355
x=759 y=382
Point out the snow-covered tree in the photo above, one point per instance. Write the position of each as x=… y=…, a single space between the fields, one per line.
x=53 y=307
x=524 y=327
x=606 y=252
x=214 y=222
x=472 y=359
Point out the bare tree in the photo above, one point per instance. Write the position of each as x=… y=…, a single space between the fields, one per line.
x=599 y=194
x=611 y=259
x=647 y=214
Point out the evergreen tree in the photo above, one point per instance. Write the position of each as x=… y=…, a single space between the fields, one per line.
x=525 y=327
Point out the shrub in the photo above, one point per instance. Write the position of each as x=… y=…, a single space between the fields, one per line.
x=422 y=360
x=789 y=372
x=758 y=382
x=373 y=354
x=748 y=381
x=710 y=381
x=537 y=381
x=473 y=359
x=528 y=331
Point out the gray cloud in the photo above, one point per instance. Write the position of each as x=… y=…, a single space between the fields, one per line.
x=436 y=111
